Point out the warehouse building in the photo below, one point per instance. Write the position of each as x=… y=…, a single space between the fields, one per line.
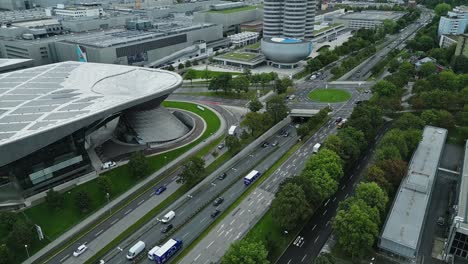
x=401 y=235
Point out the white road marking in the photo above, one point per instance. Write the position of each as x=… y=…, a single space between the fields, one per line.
x=304 y=258
x=197 y=257
x=210 y=244
x=115 y=220
x=334 y=198
x=221 y=233
x=183 y=211
x=202 y=220
x=64 y=258
x=328 y=222
x=140 y=202
x=315 y=241
x=250 y=204
x=314 y=227
x=241 y=212
x=98 y=233
x=326 y=203
x=129 y=210
x=324 y=212
x=289 y=261
x=232 y=221
x=186 y=235
x=344 y=186
x=346 y=196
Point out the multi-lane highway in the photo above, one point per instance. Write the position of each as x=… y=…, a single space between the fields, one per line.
x=193 y=216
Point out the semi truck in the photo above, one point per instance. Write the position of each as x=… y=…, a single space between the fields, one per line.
x=165 y=252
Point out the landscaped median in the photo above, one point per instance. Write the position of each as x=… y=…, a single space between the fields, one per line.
x=56 y=222
x=329 y=95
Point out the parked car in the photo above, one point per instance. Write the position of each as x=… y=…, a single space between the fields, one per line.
x=108 y=165
x=222 y=176
x=166 y=228
x=218 y=201
x=215 y=213
x=80 y=250
x=160 y=190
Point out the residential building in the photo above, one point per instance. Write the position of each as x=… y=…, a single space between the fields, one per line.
x=455 y=23
x=401 y=235
x=446 y=41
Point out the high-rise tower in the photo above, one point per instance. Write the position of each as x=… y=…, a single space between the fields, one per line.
x=288 y=18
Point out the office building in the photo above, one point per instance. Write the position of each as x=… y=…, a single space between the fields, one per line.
x=455 y=23
x=50 y=114
x=78 y=11
x=289 y=18
x=457 y=242
x=243 y=39
x=366 y=19
x=401 y=235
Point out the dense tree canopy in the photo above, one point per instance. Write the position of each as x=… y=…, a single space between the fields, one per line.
x=193 y=171
x=245 y=251
x=290 y=207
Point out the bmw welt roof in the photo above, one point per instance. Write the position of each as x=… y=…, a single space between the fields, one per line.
x=67 y=96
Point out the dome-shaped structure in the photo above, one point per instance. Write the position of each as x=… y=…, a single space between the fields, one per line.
x=286 y=50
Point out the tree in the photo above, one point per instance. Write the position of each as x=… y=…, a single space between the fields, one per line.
x=246 y=251
x=394 y=171
x=327 y=161
x=190 y=75
x=264 y=79
x=105 y=184
x=54 y=199
x=460 y=64
x=372 y=195
x=290 y=207
x=222 y=81
x=239 y=84
x=366 y=118
x=326 y=258
x=247 y=73
x=357 y=228
x=255 y=105
x=180 y=66
x=170 y=68
x=22 y=233
x=407 y=121
x=188 y=64
x=440 y=118
x=412 y=139
x=256 y=123
x=138 y=165
x=193 y=171
x=323 y=184
x=388 y=153
x=7 y=220
x=5 y=255
x=427 y=69
x=377 y=175
x=395 y=137
x=281 y=85
x=277 y=108
x=233 y=144
x=442 y=9
x=314 y=65
x=306 y=185
x=83 y=201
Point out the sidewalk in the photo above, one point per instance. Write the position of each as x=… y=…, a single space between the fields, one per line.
x=86 y=223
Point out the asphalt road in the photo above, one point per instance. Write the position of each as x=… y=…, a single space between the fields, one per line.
x=193 y=216
x=145 y=199
x=316 y=231
x=395 y=41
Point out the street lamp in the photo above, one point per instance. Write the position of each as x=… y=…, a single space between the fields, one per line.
x=27 y=252
x=108 y=200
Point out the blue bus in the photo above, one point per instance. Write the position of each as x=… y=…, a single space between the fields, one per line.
x=251 y=177
x=166 y=251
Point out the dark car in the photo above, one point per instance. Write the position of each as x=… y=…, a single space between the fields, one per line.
x=166 y=228
x=286 y=134
x=358 y=102
x=160 y=190
x=222 y=176
x=218 y=201
x=339 y=119
x=265 y=144
x=215 y=213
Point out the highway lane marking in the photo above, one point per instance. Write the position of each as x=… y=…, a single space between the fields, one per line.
x=304 y=258
x=334 y=198
x=221 y=233
x=314 y=227
x=140 y=202
x=64 y=258
x=344 y=186
x=346 y=196
x=186 y=235
x=259 y=194
x=328 y=222
x=98 y=233
x=289 y=261
x=221 y=227
x=210 y=244
x=115 y=220
x=250 y=204
x=315 y=241
x=197 y=257
x=232 y=221
x=183 y=211
x=326 y=203
x=128 y=211
x=241 y=212
x=324 y=212
x=202 y=220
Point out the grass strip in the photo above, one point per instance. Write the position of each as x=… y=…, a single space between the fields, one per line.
x=238 y=201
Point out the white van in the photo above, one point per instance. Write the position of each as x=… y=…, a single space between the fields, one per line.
x=316 y=148
x=135 y=250
x=152 y=252
x=168 y=217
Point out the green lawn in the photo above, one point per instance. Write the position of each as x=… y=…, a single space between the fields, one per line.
x=242 y=56
x=233 y=10
x=230 y=95
x=54 y=223
x=206 y=74
x=329 y=95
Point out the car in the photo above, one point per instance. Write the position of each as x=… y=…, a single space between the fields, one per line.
x=265 y=144
x=215 y=213
x=441 y=221
x=339 y=119
x=160 y=190
x=218 y=201
x=358 y=102
x=108 y=165
x=80 y=250
x=367 y=91
x=222 y=176
x=274 y=144
x=166 y=228
x=359 y=71
x=221 y=146
x=286 y=134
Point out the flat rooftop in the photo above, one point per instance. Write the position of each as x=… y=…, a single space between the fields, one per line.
x=463 y=195
x=405 y=221
x=373 y=15
x=46 y=97
x=233 y=10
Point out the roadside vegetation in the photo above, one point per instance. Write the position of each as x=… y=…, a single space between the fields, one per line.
x=61 y=211
x=329 y=95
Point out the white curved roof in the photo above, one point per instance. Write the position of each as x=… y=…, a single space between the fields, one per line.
x=47 y=97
